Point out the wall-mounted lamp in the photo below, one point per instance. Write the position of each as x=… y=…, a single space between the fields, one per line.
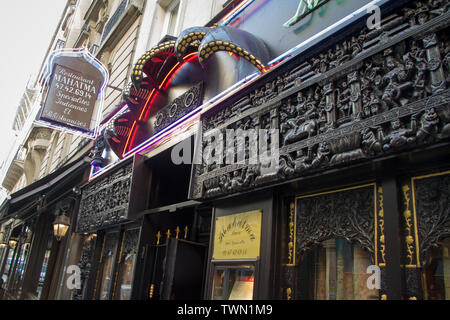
x=60 y=226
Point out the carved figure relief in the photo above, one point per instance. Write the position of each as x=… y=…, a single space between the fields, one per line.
x=390 y=94
x=105 y=202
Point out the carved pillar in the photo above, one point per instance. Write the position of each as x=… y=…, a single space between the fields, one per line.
x=380 y=253
x=430 y=43
x=330 y=106
x=289 y=285
x=392 y=274
x=411 y=260
x=355 y=98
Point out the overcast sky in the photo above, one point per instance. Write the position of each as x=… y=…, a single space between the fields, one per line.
x=26 y=29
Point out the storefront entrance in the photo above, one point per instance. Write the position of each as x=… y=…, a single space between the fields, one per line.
x=175 y=248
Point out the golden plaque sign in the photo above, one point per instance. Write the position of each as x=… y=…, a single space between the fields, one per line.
x=238 y=236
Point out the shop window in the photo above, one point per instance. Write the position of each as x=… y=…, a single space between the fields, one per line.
x=43 y=273
x=107 y=264
x=8 y=263
x=45 y=263
x=117 y=264
x=126 y=264
x=335 y=270
x=20 y=269
x=233 y=283
x=127 y=276
x=436 y=273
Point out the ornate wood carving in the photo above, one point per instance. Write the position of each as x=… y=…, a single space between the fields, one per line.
x=291 y=242
x=110 y=243
x=381 y=244
x=288 y=283
x=379 y=93
x=431 y=201
x=411 y=259
x=179 y=107
x=426 y=221
x=345 y=213
x=130 y=243
x=341 y=214
x=85 y=266
x=105 y=202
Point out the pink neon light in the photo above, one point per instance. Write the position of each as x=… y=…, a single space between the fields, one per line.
x=152 y=96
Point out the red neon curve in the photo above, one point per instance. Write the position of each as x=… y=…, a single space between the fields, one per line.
x=152 y=96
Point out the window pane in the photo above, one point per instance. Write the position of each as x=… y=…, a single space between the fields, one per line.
x=233 y=283
x=44 y=266
x=335 y=270
x=8 y=265
x=43 y=273
x=436 y=275
x=108 y=255
x=173 y=20
x=106 y=276
x=127 y=262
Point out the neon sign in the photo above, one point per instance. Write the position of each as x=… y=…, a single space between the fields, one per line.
x=304 y=8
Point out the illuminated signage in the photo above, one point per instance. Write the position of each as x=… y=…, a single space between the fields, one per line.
x=304 y=8
x=238 y=236
x=74 y=99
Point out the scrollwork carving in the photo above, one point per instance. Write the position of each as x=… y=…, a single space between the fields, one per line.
x=105 y=202
x=341 y=214
x=432 y=196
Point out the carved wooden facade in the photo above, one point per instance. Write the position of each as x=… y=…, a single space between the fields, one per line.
x=374 y=96
x=379 y=93
x=425 y=223
x=105 y=202
x=115 y=198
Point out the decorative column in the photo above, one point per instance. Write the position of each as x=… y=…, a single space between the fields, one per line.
x=411 y=259
x=430 y=43
x=355 y=97
x=330 y=106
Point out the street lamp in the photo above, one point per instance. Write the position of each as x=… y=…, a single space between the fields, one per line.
x=60 y=226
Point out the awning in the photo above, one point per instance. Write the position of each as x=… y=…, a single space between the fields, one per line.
x=64 y=179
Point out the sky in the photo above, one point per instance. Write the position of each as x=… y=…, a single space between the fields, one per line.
x=26 y=29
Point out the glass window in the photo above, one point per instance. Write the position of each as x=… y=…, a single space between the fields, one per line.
x=8 y=263
x=106 y=275
x=233 y=283
x=173 y=17
x=127 y=276
x=335 y=270
x=43 y=273
x=107 y=263
x=126 y=264
x=44 y=266
x=436 y=274
x=20 y=269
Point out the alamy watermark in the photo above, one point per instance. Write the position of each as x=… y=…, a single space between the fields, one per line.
x=74 y=280
x=252 y=147
x=374 y=280
x=374 y=20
